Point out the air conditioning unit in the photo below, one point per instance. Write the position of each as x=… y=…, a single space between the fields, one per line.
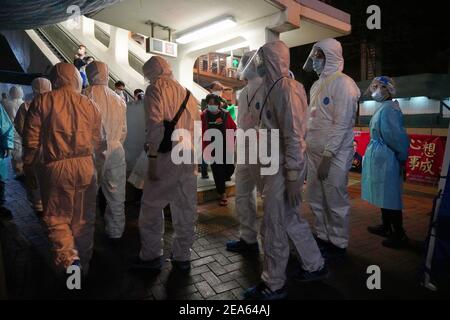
x=158 y=46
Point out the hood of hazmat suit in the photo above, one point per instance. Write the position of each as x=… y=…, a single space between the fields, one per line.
x=331 y=118
x=285 y=111
x=66 y=127
x=113 y=173
x=175 y=182
x=39 y=86
x=15 y=99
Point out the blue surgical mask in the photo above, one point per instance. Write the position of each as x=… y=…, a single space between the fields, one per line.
x=318 y=65
x=378 y=96
x=213 y=108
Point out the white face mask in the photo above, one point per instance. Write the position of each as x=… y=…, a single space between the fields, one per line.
x=217 y=93
x=378 y=96
x=213 y=108
x=318 y=65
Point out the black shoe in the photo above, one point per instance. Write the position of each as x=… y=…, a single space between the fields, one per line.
x=263 y=292
x=182 y=266
x=240 y=246
x=114 y=242
x=306 y=276
x=322 y=244
x=333 y=252
x=205 y=177
x=154 y=265
x=396 y=241
x=380 y=230
x=6 y=213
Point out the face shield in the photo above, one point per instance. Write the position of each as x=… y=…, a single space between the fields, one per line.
x=381 y=89
x=315 y=61
x=251 y=65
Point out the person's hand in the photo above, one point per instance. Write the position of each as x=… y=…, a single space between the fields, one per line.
x=7 y=153
x=152 y=168
x=324 y=168
x=294 y=192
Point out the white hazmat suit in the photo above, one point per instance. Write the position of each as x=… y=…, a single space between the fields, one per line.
x=12 y=105
x=285 y=111
x=168 y=183
x=247 y=175
x=331 y=118
x=39 y=86
x=113 y=173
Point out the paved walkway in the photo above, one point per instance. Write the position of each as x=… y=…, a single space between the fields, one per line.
x=216 y=273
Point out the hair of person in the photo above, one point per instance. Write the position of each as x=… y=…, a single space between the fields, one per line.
x=138 y=91
x=119 y=83
x=214 y=97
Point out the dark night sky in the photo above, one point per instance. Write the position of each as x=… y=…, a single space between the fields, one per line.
x=414 y=38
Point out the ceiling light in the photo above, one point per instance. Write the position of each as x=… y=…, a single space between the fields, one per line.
x=206 y=30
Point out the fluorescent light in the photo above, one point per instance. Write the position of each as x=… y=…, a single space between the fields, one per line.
x=234 y=47
x=207 y=30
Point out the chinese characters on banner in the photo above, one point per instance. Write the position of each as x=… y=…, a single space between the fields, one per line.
x=426 y=154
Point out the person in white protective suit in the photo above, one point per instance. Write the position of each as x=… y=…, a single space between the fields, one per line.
x=247 y=175
x=12 y=105
x=39 y=86
x=331 y=118
x=65 y=127
x=167 y=182
x=283 y=114
x=112 y=176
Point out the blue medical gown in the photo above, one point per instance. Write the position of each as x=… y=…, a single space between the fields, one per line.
x=6 y=141
x=382 y=179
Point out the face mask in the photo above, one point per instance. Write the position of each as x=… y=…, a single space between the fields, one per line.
x=119 y=92
x=378 y=96
x=318 y=65
x=261 y=71
x=213 y=108
x=217 y=93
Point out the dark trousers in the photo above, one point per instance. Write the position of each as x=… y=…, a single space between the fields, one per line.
x=2 y=193
x=221 y=174
x=204 y=168
x=393 y=219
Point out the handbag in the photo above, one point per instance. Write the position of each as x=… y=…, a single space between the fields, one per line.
x=169 y=127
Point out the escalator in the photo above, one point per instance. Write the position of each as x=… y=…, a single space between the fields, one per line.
x=64 y=46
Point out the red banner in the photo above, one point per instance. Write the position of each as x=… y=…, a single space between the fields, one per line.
x=425 y=156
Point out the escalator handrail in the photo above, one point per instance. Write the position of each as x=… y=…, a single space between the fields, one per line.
x=67 y=59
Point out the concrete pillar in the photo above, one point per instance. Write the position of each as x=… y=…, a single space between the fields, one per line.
x=87 y=27
x=118 y=45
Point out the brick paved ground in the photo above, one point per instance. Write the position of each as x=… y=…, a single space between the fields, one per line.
x=216 y=273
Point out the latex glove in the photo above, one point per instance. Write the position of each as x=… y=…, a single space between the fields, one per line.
x=152 y=168
x=324 y=168
x=294 y=192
